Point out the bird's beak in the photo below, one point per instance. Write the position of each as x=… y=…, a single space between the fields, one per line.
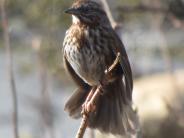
x=73 y=11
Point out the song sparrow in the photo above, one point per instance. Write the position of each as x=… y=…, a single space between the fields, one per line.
x=90 y=47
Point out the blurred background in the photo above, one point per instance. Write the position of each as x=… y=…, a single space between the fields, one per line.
x=34 y=86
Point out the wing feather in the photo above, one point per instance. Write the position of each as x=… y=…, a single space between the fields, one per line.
x=124 y=62
x=78 y=81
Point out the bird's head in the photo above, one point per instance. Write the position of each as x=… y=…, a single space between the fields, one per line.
x=87 y=12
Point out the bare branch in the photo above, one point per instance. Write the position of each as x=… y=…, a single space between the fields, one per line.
x=44 y=105
x=95 y=96
x=10 y=68
x=109 y=14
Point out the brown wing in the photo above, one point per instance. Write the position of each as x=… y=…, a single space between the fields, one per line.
x=78 y=81
x=124 y=61
x=74 y=103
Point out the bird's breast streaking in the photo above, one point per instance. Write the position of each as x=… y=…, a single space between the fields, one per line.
x=89 y=57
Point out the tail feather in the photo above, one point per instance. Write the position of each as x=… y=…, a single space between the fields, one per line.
x=133 y=121
x=74 y=104
x=114 y=113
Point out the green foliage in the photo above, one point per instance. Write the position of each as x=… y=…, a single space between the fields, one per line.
x=51 y=51
x=129 y=2
x=39 y=13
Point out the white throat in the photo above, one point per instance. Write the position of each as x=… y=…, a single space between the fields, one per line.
x=75 y=19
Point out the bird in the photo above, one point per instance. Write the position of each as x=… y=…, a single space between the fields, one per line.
x=89 y=48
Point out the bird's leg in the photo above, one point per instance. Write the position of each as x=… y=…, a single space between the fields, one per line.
x=102 y=84
x=88 y=106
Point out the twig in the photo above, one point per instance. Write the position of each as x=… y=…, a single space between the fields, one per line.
x=44 y=105
x=10 y=68
x=109 y=14
x=95 y=96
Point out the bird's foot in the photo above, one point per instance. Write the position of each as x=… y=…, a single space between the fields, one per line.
x=88 y=107
x=102 y=87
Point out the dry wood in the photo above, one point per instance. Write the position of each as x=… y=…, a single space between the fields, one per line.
x=10 y=68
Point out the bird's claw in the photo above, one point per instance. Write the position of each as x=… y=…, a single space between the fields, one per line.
x=88 y=107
